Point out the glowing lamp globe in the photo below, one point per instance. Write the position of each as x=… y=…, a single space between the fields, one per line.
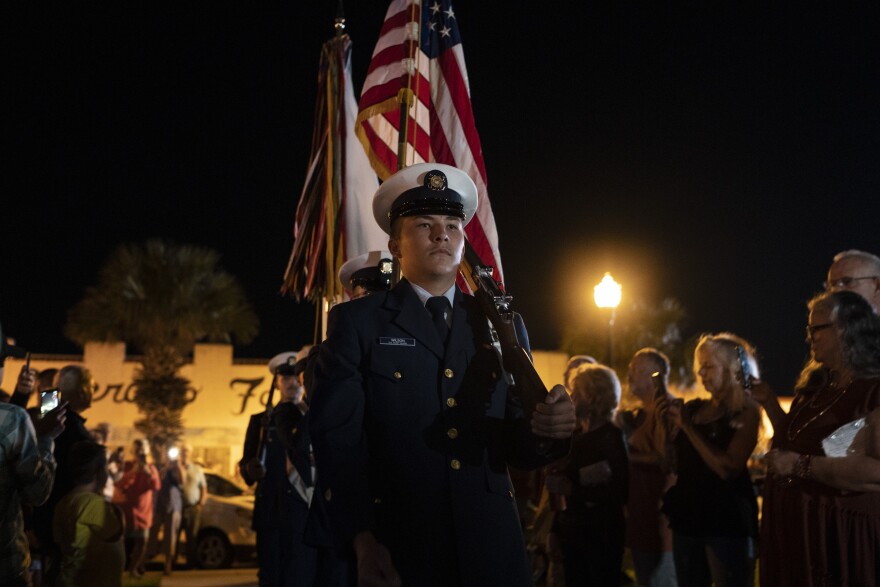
x=607 y=293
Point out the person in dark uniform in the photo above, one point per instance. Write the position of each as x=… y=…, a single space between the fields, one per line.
x=360 y=276
x=412 y=422
x=366 y=274
x=283 y=490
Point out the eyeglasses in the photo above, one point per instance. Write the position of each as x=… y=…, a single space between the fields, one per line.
x=812 y=330
x=844 y=282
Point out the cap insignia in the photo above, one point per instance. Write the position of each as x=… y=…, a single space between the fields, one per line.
x=435 y=180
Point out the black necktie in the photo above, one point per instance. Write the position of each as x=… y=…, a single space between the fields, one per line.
x=438 y=306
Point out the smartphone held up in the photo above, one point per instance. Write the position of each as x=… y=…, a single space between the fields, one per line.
x=660 y=390
x=49 y=400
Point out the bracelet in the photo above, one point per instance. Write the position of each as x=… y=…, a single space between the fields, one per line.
x=803 y=467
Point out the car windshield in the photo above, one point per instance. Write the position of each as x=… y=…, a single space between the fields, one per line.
x=223 y=487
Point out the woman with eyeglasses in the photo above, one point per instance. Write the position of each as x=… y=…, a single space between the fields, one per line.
x=821 y=514
x=712 y=508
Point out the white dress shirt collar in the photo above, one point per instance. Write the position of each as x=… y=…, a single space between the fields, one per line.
x=425 y=295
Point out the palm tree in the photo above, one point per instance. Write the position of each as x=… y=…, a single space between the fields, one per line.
x=162 y=298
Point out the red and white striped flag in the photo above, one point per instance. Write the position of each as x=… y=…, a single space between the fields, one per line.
x=419 y=48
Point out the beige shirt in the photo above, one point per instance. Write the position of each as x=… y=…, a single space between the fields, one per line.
x=193 y=484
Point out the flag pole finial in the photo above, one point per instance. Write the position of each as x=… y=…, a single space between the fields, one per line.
x=339 y=21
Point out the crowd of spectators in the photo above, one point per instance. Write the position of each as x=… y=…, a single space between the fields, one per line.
x=669 y=480
x=692 y=513
x=73 y=511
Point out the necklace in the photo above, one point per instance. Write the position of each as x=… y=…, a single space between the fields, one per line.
x=792 y=434
x=833 y=386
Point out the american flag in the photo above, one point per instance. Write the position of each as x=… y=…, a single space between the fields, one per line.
x=419 y=48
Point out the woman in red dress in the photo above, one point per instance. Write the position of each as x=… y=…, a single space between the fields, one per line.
x=821 y=514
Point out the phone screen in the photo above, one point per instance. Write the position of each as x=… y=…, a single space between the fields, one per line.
x=48 y=401
x=747 y=376
x=659 y=384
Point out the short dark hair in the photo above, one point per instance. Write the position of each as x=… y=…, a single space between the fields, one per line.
x=396 y=227
x=85 y=460
x=46 y=378
x=75 y=383
x=657 y=357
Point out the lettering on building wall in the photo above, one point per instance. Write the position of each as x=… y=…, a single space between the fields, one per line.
x=119 y=393
x=250 y=390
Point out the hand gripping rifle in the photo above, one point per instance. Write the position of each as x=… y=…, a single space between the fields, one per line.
x=495 y=303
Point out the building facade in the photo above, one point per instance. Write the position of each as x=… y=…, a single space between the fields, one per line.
x=223 y=393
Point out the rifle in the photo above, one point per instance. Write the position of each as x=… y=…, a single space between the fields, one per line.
x=266 y=424
x=495 y=304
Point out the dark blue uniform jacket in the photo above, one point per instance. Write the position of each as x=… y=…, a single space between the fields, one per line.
x=412 y=440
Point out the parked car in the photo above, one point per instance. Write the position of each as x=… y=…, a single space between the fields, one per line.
x=225 y=533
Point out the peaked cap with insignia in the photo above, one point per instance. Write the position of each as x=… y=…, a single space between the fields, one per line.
x=425 y=189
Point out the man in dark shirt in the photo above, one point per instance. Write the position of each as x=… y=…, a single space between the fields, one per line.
x=75 y=387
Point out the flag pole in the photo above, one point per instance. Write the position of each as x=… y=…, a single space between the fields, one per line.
x=339 y=22
x=323 y=305
x=405 y=101
x=406 y=97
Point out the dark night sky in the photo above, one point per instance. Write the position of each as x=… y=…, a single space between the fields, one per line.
x=709 y=153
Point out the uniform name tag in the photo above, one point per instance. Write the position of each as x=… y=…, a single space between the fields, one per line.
x=393 y=341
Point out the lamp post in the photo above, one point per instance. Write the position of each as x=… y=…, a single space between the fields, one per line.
x=607 y=295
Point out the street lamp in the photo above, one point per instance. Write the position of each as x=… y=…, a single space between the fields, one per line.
x=607 y=295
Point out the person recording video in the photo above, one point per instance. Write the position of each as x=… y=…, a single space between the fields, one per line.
x=27 y=472
x=134 y=494
x=75 y=388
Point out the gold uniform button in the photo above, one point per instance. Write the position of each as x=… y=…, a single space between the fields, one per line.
x=452 y=433
x=378 y=500
x=397 y=375
x=449 y=374
x=494 y=375
x=450 y=401
x=509 y=494
x=455 y=464
x=327 y=495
